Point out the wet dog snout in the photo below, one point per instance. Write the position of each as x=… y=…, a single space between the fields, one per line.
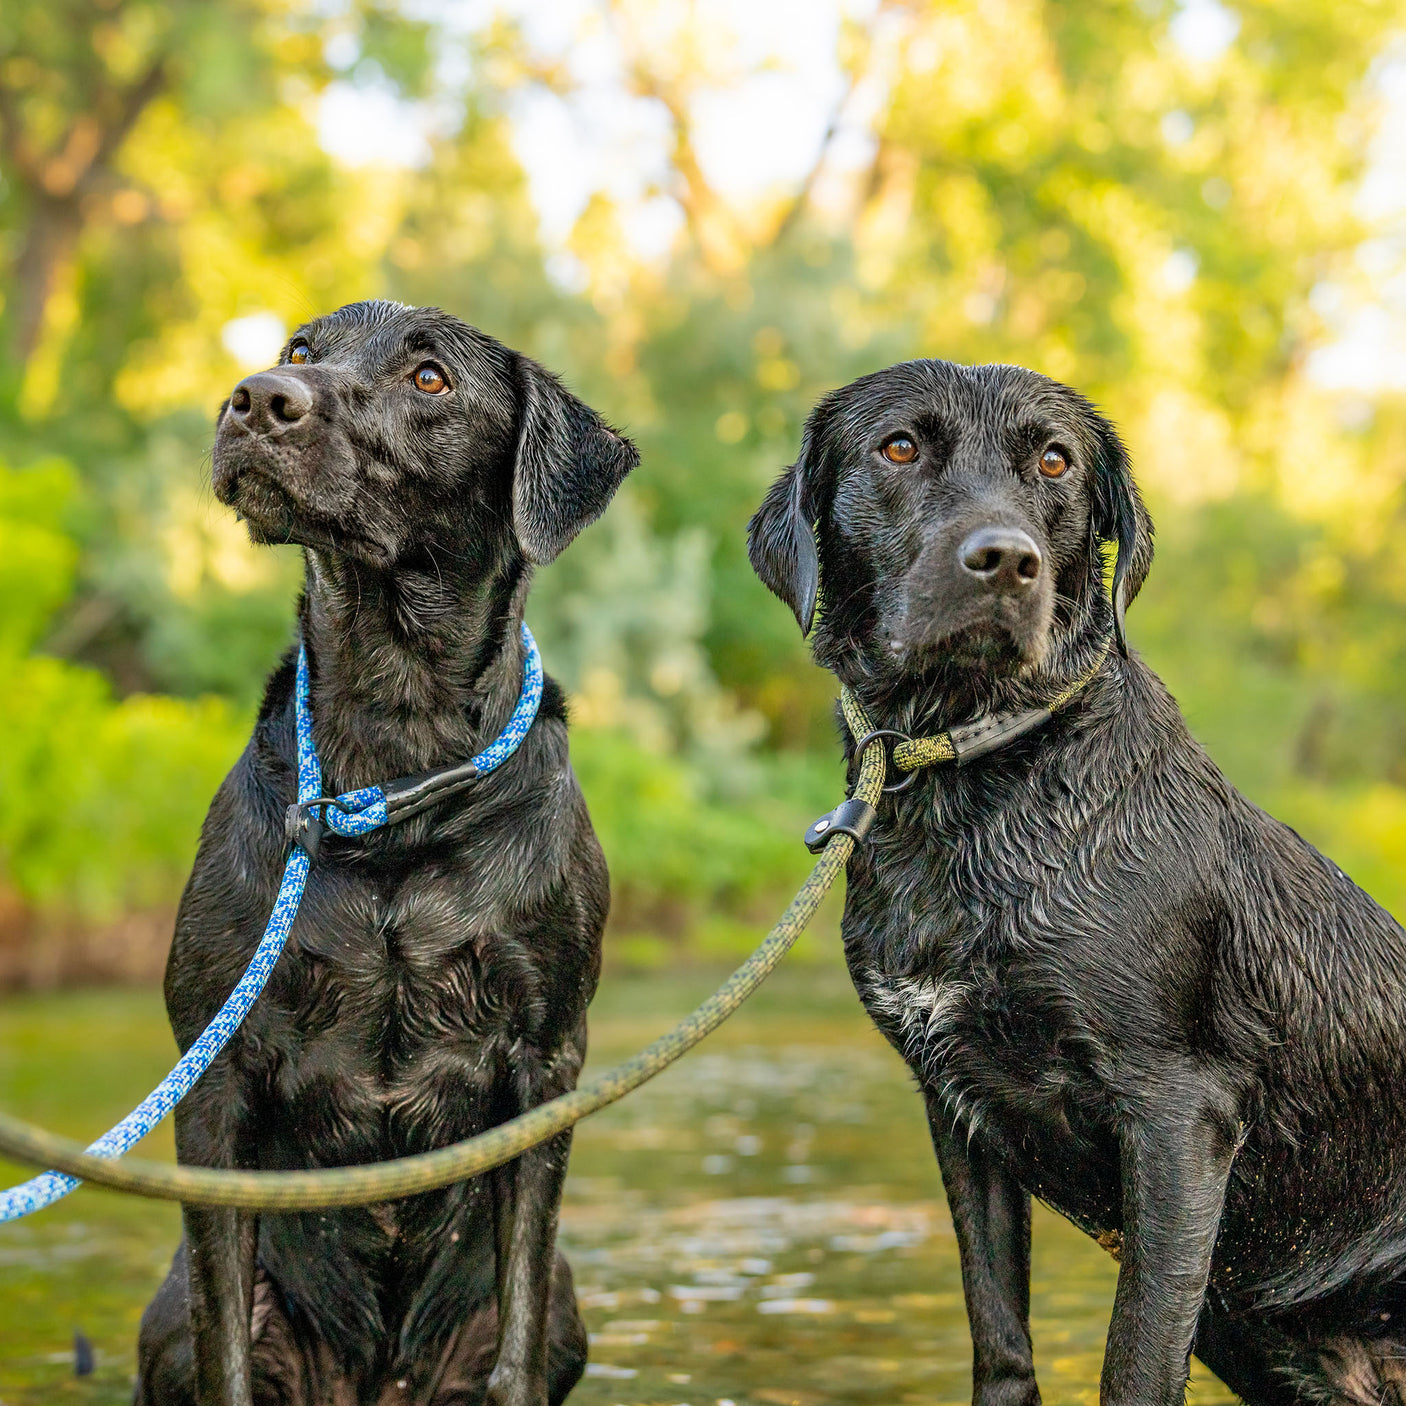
x=270 y=401
x=1003 y=558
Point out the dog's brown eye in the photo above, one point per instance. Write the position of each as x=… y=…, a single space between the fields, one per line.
x=1053 y=463
x=430 y=379
x=899 y=450
x=299 y=353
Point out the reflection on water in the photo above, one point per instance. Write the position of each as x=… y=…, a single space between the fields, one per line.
x=763 y=1224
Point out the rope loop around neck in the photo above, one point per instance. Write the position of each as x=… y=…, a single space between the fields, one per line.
x=368 y=808
x=994 y=730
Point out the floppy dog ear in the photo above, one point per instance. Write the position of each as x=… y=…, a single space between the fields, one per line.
x=781 y=539
x=1119 y=516
x=569 y=464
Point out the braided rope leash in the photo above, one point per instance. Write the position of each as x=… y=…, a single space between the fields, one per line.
x=48 y=1187
x=354 y=813
x=962 y=744
x=428 y=1171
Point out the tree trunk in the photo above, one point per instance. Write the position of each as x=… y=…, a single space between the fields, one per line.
x=49 y=243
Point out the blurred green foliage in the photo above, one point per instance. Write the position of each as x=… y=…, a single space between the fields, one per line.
x=1050 y=183
x=101 y=795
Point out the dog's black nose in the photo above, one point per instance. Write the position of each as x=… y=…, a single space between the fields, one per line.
x=270 y=401
x=1004 y=557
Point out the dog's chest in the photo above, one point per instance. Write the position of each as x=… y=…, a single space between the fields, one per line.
x=957 y=958
x=406 y=1003
x=996 y=1056
x=980 y=1036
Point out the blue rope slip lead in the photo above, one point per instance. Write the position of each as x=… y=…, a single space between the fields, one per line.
x=351 y=814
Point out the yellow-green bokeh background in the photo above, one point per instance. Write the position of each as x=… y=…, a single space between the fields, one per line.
x=1179 y=229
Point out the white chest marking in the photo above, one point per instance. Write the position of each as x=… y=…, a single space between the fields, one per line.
x=925 y=1010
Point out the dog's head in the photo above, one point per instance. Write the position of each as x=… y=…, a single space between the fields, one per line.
x=956 y=516
x=387 y=433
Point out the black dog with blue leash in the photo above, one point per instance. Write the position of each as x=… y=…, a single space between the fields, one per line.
x=436 y=979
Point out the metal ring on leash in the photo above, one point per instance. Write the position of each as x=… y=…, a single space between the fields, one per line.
x=335 y=801
x=428 y=1171
x=873 y=735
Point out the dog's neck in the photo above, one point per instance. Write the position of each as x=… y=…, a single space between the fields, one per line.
x=946 y=697
x=411 y=669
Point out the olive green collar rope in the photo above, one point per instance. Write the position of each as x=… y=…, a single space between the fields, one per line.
x=428 y=1171
x=986 y=734
x=956 y=744
x=855 y=817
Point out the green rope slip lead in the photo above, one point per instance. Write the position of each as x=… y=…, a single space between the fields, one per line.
x=428 y=1171
x=988 y=733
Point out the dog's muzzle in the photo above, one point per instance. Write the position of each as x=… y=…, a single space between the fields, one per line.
x=980 y=590
x=268 y=416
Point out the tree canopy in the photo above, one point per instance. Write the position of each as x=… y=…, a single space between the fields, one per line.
x=1097 y=190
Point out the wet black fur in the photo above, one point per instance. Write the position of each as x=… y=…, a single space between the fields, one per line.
x=1121 y=987
x=436 y=980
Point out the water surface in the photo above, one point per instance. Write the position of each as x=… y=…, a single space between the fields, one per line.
x=762 y=1224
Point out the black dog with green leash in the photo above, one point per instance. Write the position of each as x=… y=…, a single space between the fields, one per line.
x=1122 y=987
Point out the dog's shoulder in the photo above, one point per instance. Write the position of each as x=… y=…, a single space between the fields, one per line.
x=1251 y=844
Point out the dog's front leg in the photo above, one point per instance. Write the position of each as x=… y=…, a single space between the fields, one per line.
x=1175 y=1166
x=527 y=1197
x=220 y=1250
x=991 y=1216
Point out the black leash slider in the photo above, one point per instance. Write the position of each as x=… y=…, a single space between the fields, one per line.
x=988 y=734
x=409 y=795
x=302 y=827
x=852 y=817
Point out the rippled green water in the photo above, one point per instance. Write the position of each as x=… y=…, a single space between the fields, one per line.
x=763 y=1224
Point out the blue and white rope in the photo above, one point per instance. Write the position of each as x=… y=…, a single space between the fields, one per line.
x=368 y=810
x=357 y=812
x=516 y=728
